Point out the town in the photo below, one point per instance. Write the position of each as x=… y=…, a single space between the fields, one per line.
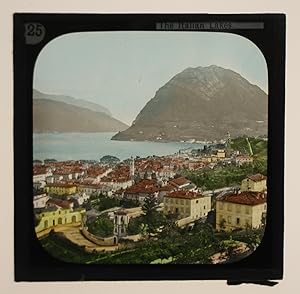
x=203 y=205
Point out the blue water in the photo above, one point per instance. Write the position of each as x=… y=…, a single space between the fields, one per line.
x=74 y=146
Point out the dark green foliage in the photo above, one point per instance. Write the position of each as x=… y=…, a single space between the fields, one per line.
x=135 y=226
x=62 y=249
x=259 y=146
x=221 y=176
x=102 y=226
x=128 y=203
x=87 y=205
x=151 y=216
x=232 y=175
x=150 y=205
x=181 y=246
x=105 y=202
x=109 y=159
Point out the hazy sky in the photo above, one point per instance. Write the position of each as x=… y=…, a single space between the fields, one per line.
x=123 y=70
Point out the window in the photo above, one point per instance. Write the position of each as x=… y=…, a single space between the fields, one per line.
x=229 y=219
x=197 y=201
x=204 y=207
x=237 y=220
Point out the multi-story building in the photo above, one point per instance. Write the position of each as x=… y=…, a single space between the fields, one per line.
x=61 y=188
x=139 y=191
x=255 y=183
x=181 y=183
x=241 y=210
x=221 y=154
x=187 y=204
x=40 y=200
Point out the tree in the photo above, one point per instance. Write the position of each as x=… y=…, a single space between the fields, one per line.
x=135 y=226
x=150 y=205
x=129 y=203
x=170 y=228
x=151 y=214
x=102 y=226
x=107 y=202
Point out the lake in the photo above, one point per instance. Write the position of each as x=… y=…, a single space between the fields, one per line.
x=74 y=146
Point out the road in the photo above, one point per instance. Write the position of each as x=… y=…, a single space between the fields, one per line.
x=250 y=147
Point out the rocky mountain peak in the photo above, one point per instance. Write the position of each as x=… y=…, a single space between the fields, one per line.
x=201 y=103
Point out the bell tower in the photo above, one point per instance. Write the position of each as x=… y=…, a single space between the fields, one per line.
x=132 y=169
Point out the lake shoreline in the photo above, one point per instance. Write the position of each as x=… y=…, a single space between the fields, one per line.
x=93 y=146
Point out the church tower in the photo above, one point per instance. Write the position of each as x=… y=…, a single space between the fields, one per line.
x=132 y=169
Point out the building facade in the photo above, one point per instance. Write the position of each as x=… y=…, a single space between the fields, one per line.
x=187 y=204
x=61 y=189
x=241 y=210
x=39 y=201
x=121 y=221
x=254 y=183
x=58 y=216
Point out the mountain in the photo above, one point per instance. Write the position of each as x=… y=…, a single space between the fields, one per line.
x=202 y=103
x=54 y=116
x=70 y=100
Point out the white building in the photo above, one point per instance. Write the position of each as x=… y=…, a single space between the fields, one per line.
x=39 y=201
x=81 y=197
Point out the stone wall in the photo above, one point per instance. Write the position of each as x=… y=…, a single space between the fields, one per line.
x=109 y=241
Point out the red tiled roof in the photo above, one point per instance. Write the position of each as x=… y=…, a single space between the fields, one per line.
x=65 y=185
x=244 y=157
x=257 y=177
x=246 y=197
x=39 y=170
x=59 y=202
x=179 y=181
x=62 y=172
x=184 y=194
x=167 y=188
x=144 y=186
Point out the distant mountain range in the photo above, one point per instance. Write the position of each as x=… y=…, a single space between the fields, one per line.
x=52 y=113
x=71 y=100
x=202 y=103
